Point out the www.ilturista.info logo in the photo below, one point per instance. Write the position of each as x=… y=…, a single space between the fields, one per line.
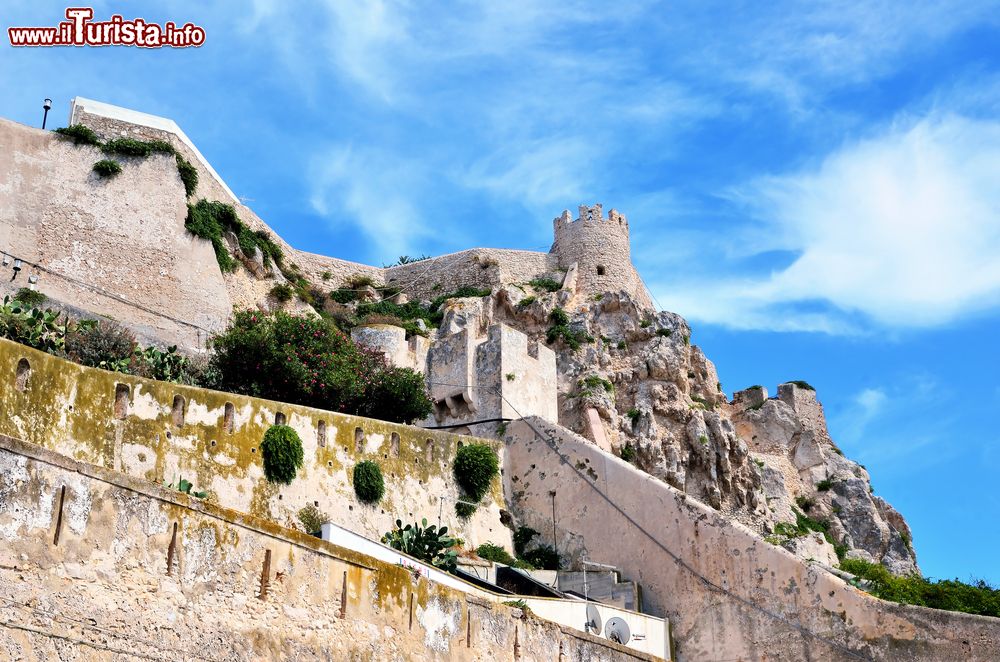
x=80 y=30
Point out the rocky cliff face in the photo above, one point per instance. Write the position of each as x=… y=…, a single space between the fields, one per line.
x=637 y=386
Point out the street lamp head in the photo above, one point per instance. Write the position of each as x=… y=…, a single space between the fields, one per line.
x=47 y=104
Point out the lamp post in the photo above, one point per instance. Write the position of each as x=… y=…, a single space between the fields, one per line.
x=46 y=105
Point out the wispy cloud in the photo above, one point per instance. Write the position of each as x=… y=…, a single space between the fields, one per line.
x=370 y=190
x=898 y=230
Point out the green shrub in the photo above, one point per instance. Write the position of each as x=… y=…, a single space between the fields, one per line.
x=427 y=543
x=621 y=344
x=526 y=301
x=327 y=275
x=127 y=147
x=465 y=510
x=101 y=345
x=824 y=485
x=29 y=297
x=498 y=554
x=282 y=451
x=805 y=503
x=644 y=323
x=165 y=365
x=107 y=168
x=282 y=292
x=343 y=296
x=978 y=597
x=359 y=281
x=560 y=329
x=475 y=467
x=542 y=556
x=80 y=134
x=546 y=284
x=664 y=333
x=633 y=415
x=188 y=174
x=368 y=482
x=161 y=147
x=801 y=384
x=627 y=452
x=596 y=381
x=308 y=361
x=312 y=519
x=209 y=220
x=31 y=326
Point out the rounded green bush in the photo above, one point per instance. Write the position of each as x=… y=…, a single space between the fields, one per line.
x=282 y=450
x=368 y=483
x=107 y=168
x=475 y=466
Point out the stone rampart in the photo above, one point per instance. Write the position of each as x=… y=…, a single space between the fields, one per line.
x=98 y=566
x=728 y=594
x=162 y=432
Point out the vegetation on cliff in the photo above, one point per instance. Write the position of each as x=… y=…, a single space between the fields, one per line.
x=949 y=594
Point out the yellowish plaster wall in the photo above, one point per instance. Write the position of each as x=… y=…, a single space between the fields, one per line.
x=103 y=591
x=71 y=409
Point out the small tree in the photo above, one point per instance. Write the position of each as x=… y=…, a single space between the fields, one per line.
x=282 y=450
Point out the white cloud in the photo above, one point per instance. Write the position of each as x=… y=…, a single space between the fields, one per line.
x=370 y=190
x=901 y=230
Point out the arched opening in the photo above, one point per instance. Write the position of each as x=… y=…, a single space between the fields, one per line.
x=23 y=375
x=229 y=419
x=121 y=401
x=394 y=444
x=359 y=440
x=321 y=434
x=279 y=418
x=178 y=411
x=600 y=270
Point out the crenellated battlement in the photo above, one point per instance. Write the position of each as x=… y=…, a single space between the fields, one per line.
x=599 y=247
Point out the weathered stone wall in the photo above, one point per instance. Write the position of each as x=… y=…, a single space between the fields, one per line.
x=484 y=268
x=162 y=432
x=729 y=595
x=502 y=374
x=105 y=242
x=600 y=248
x=395 y=346
x=98 y=566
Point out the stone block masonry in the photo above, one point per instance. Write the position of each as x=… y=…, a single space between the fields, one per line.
x=98 y=566
x=729 y=595
x=162 y=432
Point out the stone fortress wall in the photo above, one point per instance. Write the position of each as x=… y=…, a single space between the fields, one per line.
x=109 y=245
x=161 y=432
x=97 y=566
x=728 y=594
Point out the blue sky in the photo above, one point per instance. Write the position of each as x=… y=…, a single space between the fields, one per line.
x=815 y=186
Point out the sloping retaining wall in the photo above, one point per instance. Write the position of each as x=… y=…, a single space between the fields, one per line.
x=728 y=594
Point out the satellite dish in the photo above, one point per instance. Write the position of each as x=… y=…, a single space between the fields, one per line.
x=593 y=623
x=617 y=630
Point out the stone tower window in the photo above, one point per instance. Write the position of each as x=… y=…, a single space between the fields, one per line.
x=394 y=444
x=321 y=434
x=279 y=418
x=600 y=270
